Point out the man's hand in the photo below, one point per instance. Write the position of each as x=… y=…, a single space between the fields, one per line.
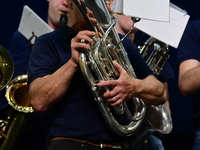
x=79 y=43
x=120 y=89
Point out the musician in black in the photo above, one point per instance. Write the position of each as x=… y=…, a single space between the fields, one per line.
x=59 y=90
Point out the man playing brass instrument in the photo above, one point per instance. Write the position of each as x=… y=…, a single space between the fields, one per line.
x=58 y=88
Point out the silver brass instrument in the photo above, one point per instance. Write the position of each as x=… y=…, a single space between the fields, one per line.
x=12 y=127
x=157 y=57
x=96 y=64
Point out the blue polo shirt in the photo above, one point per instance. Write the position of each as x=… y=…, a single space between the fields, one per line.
x=77 y=114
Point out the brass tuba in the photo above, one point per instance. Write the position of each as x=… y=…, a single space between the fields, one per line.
x=96 y=64
x=14 y=122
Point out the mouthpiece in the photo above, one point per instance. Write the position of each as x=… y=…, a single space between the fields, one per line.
x=63 y=17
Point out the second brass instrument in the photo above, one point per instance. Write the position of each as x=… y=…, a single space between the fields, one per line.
x=16 y=116
x=157 y=57
x=13 y=126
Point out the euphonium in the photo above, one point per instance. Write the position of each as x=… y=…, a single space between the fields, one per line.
x=96 y=64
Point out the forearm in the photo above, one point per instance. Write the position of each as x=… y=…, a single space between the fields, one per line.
x=189 y=82
x=151 y=91
x=47 y=90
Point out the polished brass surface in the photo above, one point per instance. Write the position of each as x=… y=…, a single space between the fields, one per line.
x=17 y=94
x=6 y=67
x=13 y=126
x=12 y=131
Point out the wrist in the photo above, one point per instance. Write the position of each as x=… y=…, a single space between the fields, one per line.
x=73 y=63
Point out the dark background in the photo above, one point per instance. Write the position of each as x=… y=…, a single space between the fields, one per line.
x=181 y=136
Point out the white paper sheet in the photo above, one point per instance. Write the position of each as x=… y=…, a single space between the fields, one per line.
x=168 y=32
x=117 y=6
x=31 y=23
x=146 y=9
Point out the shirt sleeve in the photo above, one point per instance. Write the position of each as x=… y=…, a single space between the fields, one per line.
x=189 y=45
x=42 y=60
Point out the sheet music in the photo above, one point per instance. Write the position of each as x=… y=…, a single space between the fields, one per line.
x=117 y=6
x=146 y=9
x=31 y=23
x=168 y=32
